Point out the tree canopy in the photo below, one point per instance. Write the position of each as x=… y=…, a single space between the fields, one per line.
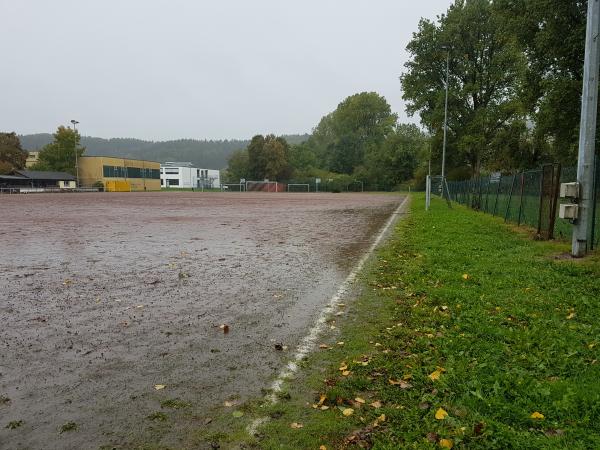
x=515 y=78
x=360 y=139
x=12 y=156
x=60 y=154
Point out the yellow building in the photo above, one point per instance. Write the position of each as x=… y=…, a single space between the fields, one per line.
x=119 y=174
x=32 y=159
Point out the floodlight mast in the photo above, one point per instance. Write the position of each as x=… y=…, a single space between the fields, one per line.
x=74 y=122
x=582 y=231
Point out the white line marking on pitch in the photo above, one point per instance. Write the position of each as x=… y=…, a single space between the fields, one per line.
x=310 y=340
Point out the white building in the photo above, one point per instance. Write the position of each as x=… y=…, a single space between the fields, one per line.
x=183 y=175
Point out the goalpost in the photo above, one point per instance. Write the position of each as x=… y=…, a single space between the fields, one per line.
x=262 y=186
x=233 y=187
x=298 y=187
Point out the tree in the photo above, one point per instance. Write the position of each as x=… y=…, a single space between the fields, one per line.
x=237 y=167
x=12 y=156
x=359 y=122
x=487 y=70
x=60 y=154
x=551 y=34
x=396 y=160
x=268 y=157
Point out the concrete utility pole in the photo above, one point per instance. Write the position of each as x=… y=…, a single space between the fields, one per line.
x=74 y=122
x=582 y=231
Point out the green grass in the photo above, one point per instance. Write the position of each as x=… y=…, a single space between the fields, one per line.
x=512 y=330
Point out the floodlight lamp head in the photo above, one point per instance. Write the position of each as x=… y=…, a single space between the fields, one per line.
x=74 y=122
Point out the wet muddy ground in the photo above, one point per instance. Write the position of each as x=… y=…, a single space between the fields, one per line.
x=104 y=296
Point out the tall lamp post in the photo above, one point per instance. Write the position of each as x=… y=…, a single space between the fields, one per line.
x=447 y=49
x=74 y=122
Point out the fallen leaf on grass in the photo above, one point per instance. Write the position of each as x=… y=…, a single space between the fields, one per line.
x=343 y=367
x=446 y=443
x=359 y=400
x=571 y=315
x=324 y=408
x=348 y=412
x=536 y=415
x=340 y=343
x=346 y=373
x=403 y=384
x=322 y=447
x=435 y=375
x=322 y=399
x=159 y=387
x=225 y=328
x=376 y=404
x=296 y=425
x=433 y=437
x=379 y=420
x=441 y=414
x=324 y=346
x=478 y=428
x=466 y=276
x=237 y=414
x=228 y=404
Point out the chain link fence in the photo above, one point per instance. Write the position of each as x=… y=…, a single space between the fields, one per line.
x=528 y=198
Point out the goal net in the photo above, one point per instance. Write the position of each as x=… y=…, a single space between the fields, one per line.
x=264 y=186
x=233 y=187
x=298 y=187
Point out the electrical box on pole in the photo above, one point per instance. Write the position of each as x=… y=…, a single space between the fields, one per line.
x=582 y=230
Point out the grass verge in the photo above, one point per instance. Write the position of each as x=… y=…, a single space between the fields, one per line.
x=467 y=334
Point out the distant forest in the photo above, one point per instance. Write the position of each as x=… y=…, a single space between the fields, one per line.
x=202 y=153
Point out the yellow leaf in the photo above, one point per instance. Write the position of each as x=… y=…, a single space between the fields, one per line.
x=466 y=276
x=441 y=414
x=324 y=346
x=359 y=400
x=435 y=375
x=346 y=373
x=381 y=418
x=570 y=316
x=322 y=447
x=228 y=404
x=324 y=408
x=537 y=415
x=377 y=404
x=348 y=412
x=340 y=343
x=446 y=443
x=159 y=387
x=322 y=399
x=343 y=367
x=296 y=425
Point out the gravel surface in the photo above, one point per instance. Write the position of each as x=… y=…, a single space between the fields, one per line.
x=104 y=296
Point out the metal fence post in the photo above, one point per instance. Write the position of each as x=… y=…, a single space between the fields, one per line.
x=521 y=197
x=512 y=186
x=497 y=196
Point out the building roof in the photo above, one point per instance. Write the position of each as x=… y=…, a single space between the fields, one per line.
x=44 y=175
x=12 y=177
x=118 y=157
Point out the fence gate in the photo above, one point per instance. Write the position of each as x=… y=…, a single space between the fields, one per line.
x=549 y=189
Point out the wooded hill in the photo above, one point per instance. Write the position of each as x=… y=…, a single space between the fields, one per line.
x=202 y=153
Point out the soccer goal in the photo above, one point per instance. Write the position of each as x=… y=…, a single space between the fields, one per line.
x=263 y=186
x=233 y=187
x=298 y=187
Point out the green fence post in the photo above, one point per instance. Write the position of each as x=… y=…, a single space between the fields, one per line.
x=512 y=186
x=521 y=197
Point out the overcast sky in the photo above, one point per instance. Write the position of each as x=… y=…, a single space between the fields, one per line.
x=167 y=69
